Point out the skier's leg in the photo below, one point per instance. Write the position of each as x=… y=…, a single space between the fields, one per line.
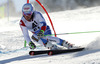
x=60 y=42
x=42 y=41
x=46 y=41
x=35 y=39
x=48 y=44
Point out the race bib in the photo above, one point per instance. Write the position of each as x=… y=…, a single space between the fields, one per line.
x=35 y=26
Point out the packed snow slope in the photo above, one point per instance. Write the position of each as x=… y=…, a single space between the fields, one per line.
x=81 y=20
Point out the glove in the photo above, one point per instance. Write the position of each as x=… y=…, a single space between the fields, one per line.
x=32 y=45
x=40 y=34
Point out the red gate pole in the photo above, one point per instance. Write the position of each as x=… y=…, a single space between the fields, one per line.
x=27 y=1
x=48 y=16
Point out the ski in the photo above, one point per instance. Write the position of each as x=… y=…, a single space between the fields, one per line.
x=54 y=52
x=32 y=53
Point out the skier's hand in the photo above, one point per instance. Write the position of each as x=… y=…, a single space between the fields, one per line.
x=40 y=34
x=32 y=45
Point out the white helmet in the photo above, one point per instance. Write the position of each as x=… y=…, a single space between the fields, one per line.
x=27 y=9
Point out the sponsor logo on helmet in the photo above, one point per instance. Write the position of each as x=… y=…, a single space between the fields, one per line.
x=26 y=9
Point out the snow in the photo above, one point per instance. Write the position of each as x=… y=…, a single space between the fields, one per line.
x=81 y=20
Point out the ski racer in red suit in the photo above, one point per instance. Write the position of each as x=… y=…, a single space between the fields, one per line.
x=34 y=22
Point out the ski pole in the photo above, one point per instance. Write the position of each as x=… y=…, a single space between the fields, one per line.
x=73 y=33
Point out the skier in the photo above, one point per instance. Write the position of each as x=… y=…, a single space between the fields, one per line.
x=34 y=22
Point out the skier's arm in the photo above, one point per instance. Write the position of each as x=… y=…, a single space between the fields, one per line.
x=25 y=32
x=42 y=21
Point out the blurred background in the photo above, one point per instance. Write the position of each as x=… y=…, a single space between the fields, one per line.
x=13 y=8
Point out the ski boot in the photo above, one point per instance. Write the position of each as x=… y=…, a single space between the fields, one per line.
x=68 y=45
x=32 y=45
x=51 y=46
